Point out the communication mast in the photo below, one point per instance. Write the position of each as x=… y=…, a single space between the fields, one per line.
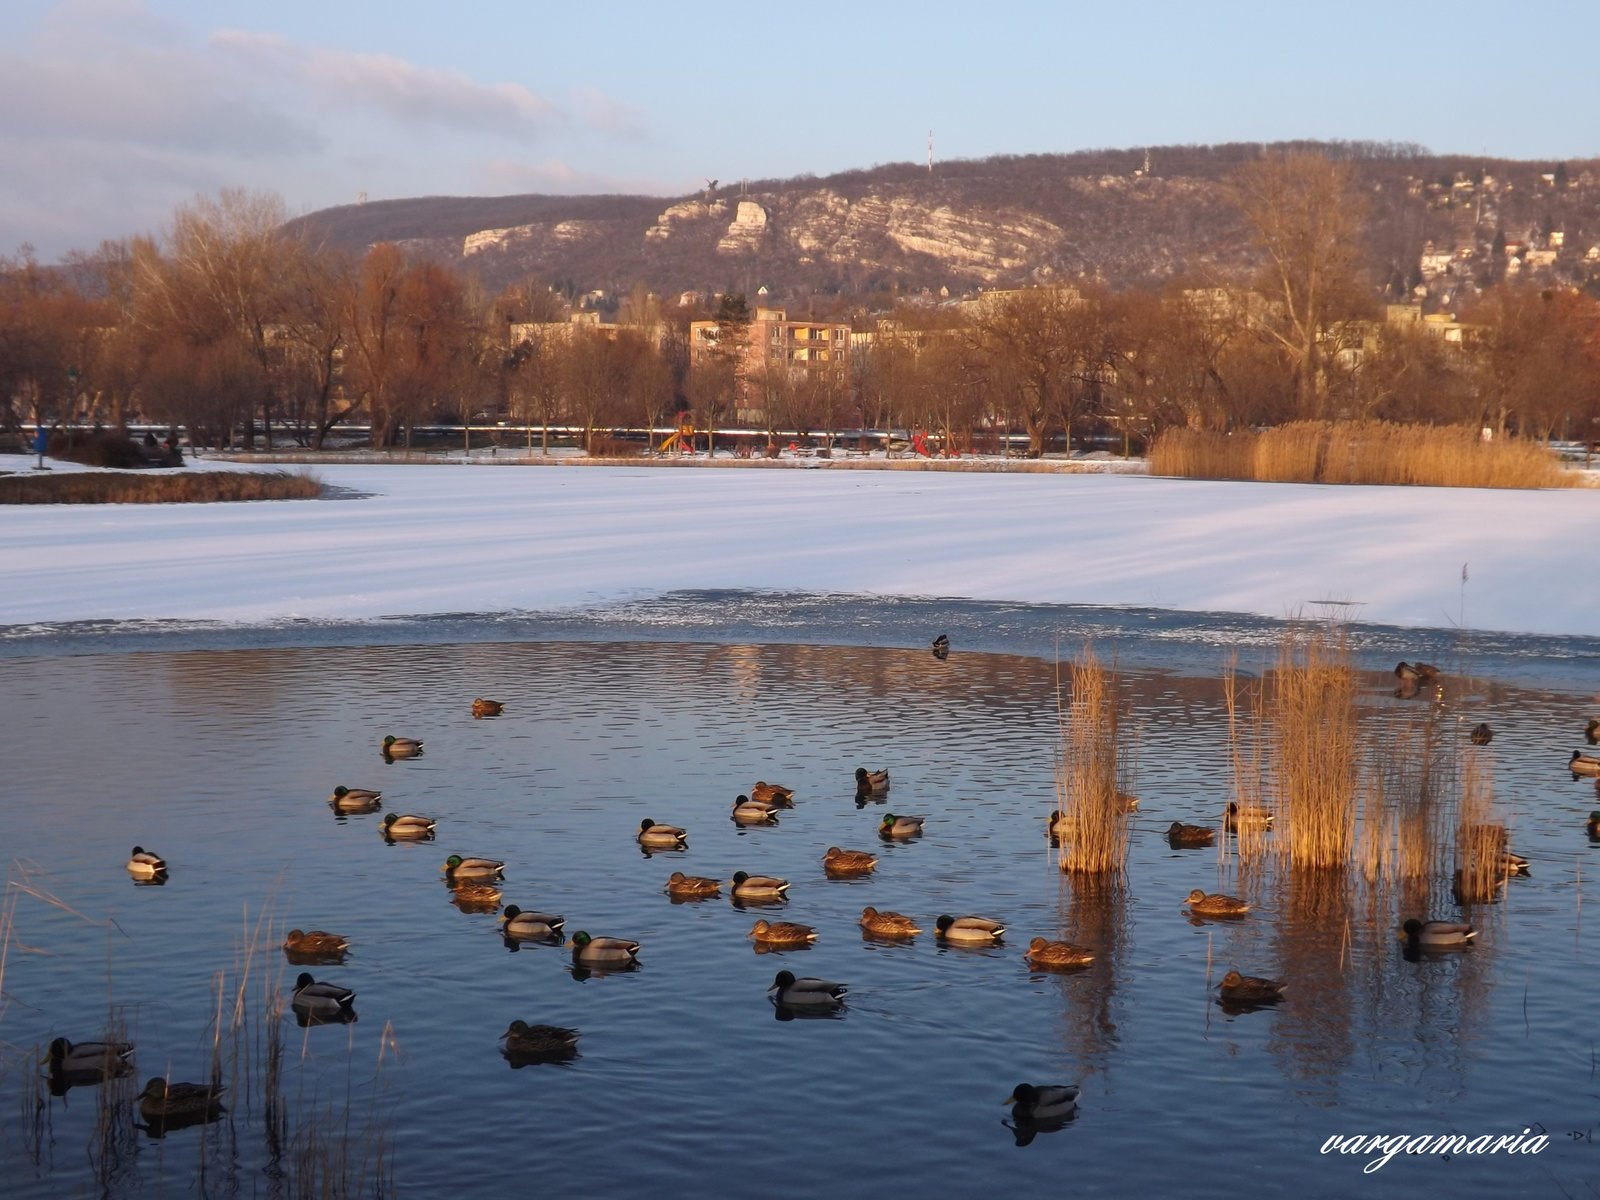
x=930 y=152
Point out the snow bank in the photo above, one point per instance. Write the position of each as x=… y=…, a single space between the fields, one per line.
x=441 y=540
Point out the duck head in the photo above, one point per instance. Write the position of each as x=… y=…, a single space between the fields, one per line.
x=944 y=923
x=451 y=863
x=580 y=939
x=785 y=979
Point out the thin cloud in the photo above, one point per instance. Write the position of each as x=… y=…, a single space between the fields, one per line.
x=401 y=90
x=505 y=175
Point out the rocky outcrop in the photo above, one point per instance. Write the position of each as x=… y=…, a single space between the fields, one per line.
x=745 y=231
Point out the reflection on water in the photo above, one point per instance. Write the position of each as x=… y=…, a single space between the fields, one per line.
x=225 y=761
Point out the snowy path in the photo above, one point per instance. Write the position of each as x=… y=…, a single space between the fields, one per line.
x=465 y=539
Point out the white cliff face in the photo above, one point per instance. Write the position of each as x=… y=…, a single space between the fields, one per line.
x=529 y=237
x=745 y=230
x=679 y=215
x=982 y=244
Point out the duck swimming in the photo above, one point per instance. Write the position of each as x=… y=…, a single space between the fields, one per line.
x=346 y=799
x=320 y=999
x=847 y=862
x=887 y=924
x=1592 y=827
x=1179 y=834
x=397 y=747
x=758 y=887
x=603 y=951
x=1253 y=817
x=941 y=647
x=161 y=1099
x=403 y=826
x=456 y=867
x=1437 y=935
x=969 y=931
x=317 y=942
x=1045 y=955
x=1583 y=764
x=692 y=886
x=661 y=837
x=774 y=794
x=530 y=926
x=547 y=1042
x=88 y=1062
x=144 y=865
x=1251 y=989
x=802 y=993
x=747 y=812
x=1038 y=1105
x=1482 y=735
x=1215 y=905
x=487 y=708
x=900 y=827
x=871 y=783
x=783 y=933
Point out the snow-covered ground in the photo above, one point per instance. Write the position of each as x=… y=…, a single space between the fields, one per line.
x=435 y=540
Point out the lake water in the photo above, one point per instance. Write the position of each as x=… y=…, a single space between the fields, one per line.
x=221 y=759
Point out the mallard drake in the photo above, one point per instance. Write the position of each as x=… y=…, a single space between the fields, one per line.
x=887 y=924
x=143 y=865
x=974 y=931
x=1051 y=1102
x=941 y=647
x=487 y=708
x=692 y=886
x=783 y=933
x=162 y=1099
x=397 y=747
x=456 y=867
x=1592 y=826
x=315 y=942
x=900 y=827
x=88 y=1058
x=476 y=897
x=758 y=887
x=847 y=862
x=871 y=782
x=747 y=812
x=546 y=1041
x=1437 y=935
x=1251 y=989
x=1591 y=731
x=347 y=799
x=530 y=926
x=800 y=993
x=1493 y=839
x=602 y=951
x=661 y=837
x=320 y=997
x=1179 y=834
x=1215 y=905
x=405 y=825
x=1252 y=818
x=1045 y=955
x=774 y=794
x=1482 y=735
x=1583 y=764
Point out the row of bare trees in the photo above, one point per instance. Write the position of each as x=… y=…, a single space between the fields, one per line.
x=244 y=335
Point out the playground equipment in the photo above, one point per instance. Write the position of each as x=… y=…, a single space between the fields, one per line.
x=682 y=438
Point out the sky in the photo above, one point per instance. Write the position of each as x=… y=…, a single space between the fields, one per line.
x=113 y=112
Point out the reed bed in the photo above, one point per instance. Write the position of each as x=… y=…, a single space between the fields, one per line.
x=200 y=487
x=1095 y=772
x=1480 y=838
x=1408 y=796
x=1246 y=745
x=1370 y=452
x=1314 y=747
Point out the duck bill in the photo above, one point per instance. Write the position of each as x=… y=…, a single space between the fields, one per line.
x=1008 y=1100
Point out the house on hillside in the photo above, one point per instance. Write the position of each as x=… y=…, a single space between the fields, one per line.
x=776 y=352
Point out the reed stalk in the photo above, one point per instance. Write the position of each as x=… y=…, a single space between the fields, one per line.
x=1481 y=840
x=1094 y=773
x=1246 y=744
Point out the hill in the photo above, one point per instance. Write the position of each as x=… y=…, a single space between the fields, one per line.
x=1118 y=216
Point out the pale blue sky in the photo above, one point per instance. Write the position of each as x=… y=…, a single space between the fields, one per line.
x=112 y=111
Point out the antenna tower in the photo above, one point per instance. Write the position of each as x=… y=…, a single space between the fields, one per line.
x=930 y=152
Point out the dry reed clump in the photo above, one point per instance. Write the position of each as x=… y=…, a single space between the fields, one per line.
x=200 y=487
x=1372 y=452
x=1407 y=795
x=1314 y=747
x=1094 y=772
x=1251 y=824
x=1480 y=841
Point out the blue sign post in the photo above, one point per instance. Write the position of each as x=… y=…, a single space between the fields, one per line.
x=41 y=443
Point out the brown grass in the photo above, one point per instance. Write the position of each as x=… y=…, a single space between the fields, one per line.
x=199 y=488
x=1314 y=747
x=1480 y=838
x=1093 y=773
x=1372 y=452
